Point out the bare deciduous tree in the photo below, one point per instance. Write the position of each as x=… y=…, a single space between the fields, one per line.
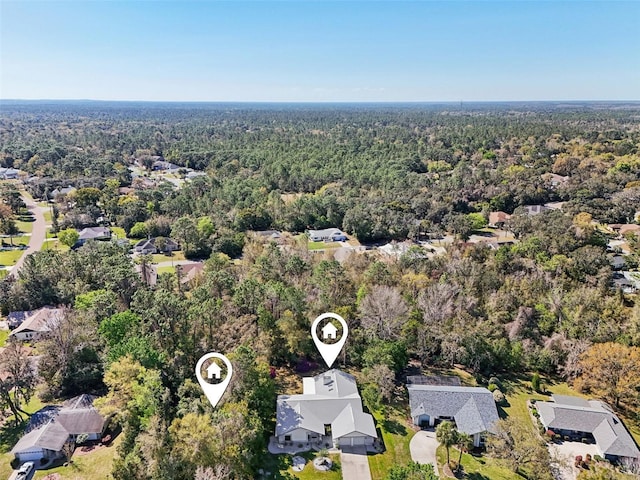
x=383 y=312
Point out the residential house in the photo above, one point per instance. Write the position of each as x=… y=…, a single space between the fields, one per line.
x=8 y=173
x=148 y=273
x=617 y=262
x=554 y=179
x=498 y=219
x=15 y=319
x=267 y=235
x=189 y=272
x=164 y=165
x=473 y=409
x=395 y=249
x=194 y=174
x=535 y=209
x=579 y=418
x=630 y=228
x=52 y=428
x=37 y=325
x=328 y=412
x=93 y=233
x=62 y=191
x=327 y=235
x=621 y=282
x=148 y=246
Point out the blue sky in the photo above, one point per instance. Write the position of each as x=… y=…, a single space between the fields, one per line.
x=320 y=50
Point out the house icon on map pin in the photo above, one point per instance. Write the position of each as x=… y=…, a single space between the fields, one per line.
x=329 y=331
x=214 y=370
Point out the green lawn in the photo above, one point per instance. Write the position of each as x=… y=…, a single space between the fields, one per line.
x=477 y=467
x=17 y=240
x=277 y=465
x=168 y=269
x=10 y=257
x=322 y=245
x=95 y=465
x=159 y=257
x=396 y=434
x=25 y=227
x=118 y=231
x=47 y=217
x=4 y=334
x=54 y=244
x=3 y=273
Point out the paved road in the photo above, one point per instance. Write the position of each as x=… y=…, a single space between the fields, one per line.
x=423 y=447
x=355 y=464
x=38 y=234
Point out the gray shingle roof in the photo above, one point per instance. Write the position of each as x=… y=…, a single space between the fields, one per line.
x=572 y=413
x=54 y=425
x=40 y=320
x=472 y=408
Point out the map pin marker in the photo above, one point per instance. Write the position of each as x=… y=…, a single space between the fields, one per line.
x=329 y=351
x=214 y=391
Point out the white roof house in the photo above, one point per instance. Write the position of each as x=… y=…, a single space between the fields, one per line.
x=327 y=235
x=329 y=399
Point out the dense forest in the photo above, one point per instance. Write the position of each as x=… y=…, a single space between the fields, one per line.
x=541 y=304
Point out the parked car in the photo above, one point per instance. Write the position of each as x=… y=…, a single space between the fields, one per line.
x=24 y=471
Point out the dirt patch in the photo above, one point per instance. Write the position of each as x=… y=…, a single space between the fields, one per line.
x=88 y=449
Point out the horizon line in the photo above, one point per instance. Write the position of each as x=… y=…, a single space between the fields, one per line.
x=302 y=102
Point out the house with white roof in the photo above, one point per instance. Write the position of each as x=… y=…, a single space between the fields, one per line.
x=327 y=235
x=577 y=417
x=472 y=409
x=329 y=411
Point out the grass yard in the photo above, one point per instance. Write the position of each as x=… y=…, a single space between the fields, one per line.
x=159 y=257
x=278 y=465
x=95 y=465
x=4 y=334
x=396 y=434
x=25 y=227
x=10 y=257
x=3 y=273
x=47 y=217
x=54 y=244
x=323 y=245
x=168 y=269
x=477 y=467
x=118 y=231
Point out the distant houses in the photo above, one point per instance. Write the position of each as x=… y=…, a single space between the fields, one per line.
x=473 y=409
x=155 y=245
x=52 y=429
x=9 y=173
x=577 y=418
x=327 y=235
x=328 y=412
x=498 y=219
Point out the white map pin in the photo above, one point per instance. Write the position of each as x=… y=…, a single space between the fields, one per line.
x=214 y=391
x=329 y=351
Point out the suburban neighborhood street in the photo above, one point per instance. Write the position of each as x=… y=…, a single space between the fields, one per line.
x=38 y=233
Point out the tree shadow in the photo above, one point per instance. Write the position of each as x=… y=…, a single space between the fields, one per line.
x=10 y=433
x=394 y=427
x=476 y=476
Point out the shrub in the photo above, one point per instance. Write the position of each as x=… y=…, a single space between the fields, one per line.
x=587 y=458
x=578 y=461
x=535 y=382
x=498 y=397
x=492 y=387
x=495 y=381
x=598 y=458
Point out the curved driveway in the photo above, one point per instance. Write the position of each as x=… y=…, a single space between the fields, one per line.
x=423 y=447
x=38 y=233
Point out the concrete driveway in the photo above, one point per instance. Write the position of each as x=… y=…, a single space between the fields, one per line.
x=565 y=453
x=355 y=464
x=423 y=447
